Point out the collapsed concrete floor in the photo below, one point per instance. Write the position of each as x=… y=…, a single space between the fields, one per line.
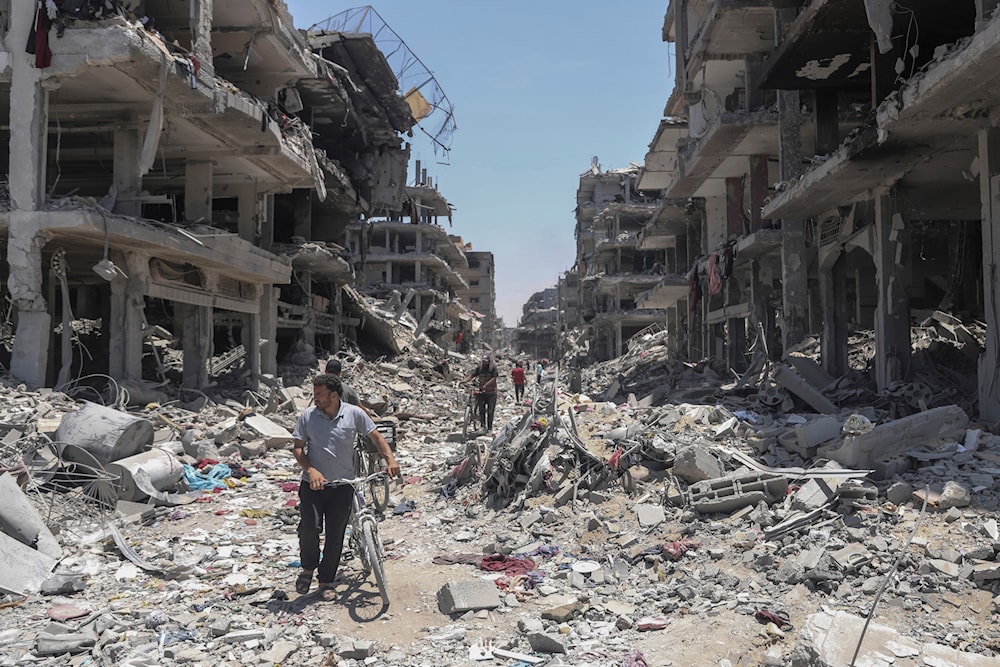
x=735 y=517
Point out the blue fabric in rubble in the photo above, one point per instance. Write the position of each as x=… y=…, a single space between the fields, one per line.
x=212 y=480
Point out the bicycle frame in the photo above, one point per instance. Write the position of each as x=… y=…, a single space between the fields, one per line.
x=364 y=532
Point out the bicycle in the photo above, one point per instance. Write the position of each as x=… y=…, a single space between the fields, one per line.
x=471 y=413
x=368 y=462
x=364 y=539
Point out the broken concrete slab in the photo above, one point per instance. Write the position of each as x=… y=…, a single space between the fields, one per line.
x=791 y=381
x=728 y=494
x=273 y=434
x=456 y=597
x=24 y=569
x=695 y=464
x=821 y=642
x=862 y=450
x=20 y=519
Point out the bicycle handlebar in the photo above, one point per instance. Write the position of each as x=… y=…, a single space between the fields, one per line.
x=357 y=480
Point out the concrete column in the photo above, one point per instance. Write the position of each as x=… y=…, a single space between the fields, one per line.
x=425 y=320
x=892 y=314
x=419 y=243
x=248 y=207
x=418 y=272
x=827 y=121
x=734 y=206
x=309 y=327
x=338 y=316
x=302 y=213
x=759 y=183
x=201 y=33
x=128 y=317
x=736 y=337
x=28 y=138
x=268 y=318
x=833 y=288
x=793 y=247
x=127 y=181
x=681 y=28
x=267 y=223
x=251 y=340
x=618 y=338
x=989 y=195
x=198 y=192
x=196 y=336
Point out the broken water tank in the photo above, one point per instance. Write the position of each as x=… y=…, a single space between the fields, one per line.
x=104 y=432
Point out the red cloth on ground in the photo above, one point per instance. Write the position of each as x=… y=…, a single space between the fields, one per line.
x=507 y=564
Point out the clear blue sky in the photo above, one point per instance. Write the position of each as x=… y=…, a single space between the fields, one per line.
x=538 y=89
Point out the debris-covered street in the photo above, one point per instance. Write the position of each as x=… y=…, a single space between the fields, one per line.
x=732 y=537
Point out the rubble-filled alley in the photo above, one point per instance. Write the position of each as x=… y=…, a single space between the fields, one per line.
x=664 y=514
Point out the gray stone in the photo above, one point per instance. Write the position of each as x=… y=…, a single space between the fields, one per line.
x=252 y=450
x=530 y=624
x=220 y=625
x=544 y=642
x=694 y=464
x=279 y=652
x=563 y=613
x=240 y=636
x=899 y=493
x=650 y=515
x=955 y=494
x=359 y=649
x=528 y=518
x=990 y=529
x=456 y=597
x=952 y=515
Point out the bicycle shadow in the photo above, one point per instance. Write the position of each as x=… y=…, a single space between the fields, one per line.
x=363 y=604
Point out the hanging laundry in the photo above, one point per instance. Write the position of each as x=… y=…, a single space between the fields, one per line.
x=714 y=280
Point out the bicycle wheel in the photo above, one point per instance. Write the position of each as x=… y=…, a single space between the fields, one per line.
x=377 y=490
x=374 y=554
x=465 y=422
x=358 y=543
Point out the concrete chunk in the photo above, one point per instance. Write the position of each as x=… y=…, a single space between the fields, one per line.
x=20 y=519
x=273 y=434
x=456 y=597
x=650 y=515
x=24 y=569
x=896 y=437
x=695 y=464
x=544 y=642
x=791 y=381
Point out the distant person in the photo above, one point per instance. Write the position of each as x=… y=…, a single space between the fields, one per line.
x=486 y=398
x=539 y=370
x=517 y=375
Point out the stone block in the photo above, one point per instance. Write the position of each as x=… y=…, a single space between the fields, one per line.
x=359 y=649
x=818 y=431
x=544 y=642
x=274 y=435
x=860 y=451
x=563 y=613
x=650 y=515
x=791 y=381
x=899 y=493
x=695 y=464
x=728 y=494
x=457 y=597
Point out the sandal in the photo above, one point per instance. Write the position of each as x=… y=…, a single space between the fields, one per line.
x=303 y=582
x=327 y=592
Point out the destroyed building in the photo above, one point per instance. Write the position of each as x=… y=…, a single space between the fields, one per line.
x=540 y=325
x=802 y=181
x=481 y=296
x=187 y=175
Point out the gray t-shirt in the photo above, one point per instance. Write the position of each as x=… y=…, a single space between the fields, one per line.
x=330 y=442
x=348 y=394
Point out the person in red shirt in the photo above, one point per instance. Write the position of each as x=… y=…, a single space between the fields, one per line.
x=517 y=375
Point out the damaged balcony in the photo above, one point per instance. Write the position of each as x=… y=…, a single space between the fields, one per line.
x=108 y=76
x=722 y=150
x=325 y=261
x=924 y=138
x=728 y=29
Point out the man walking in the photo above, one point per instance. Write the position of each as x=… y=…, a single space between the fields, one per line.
x=323 y=445
x=486 y=398
x=517 y=375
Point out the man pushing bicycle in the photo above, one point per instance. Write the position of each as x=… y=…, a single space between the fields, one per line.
x=486 y=398
x=323 y=444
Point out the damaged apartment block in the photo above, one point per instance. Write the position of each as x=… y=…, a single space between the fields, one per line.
x=185 y=174
x=825 y=167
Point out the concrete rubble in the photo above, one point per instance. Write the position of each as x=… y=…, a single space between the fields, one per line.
x=524 y=544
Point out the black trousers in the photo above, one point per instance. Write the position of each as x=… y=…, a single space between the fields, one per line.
x=487 y=406
x=329 y=507
x=518 y=391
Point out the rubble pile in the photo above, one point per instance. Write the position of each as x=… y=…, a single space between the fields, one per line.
x=609 y=526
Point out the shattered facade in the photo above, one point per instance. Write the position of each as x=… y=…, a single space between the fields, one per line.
x=539 y=328
x=187 y=176
x=481 y=296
